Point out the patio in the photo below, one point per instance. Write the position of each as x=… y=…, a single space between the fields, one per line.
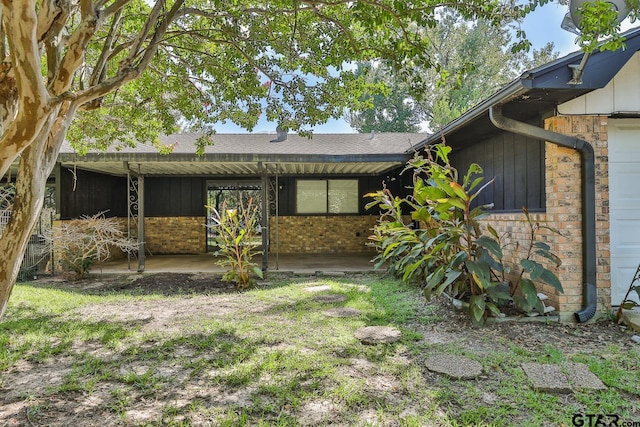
x=206 y=263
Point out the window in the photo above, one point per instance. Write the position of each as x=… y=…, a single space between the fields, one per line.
x=321 y=196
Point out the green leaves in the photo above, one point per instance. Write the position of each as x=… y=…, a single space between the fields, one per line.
x=453 y=254
x=538 y=272
x=235 y=238
x=477 y=307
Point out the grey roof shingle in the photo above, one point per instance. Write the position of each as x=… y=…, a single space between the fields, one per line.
x=323 y=144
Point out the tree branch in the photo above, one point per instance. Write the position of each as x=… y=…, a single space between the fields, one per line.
x=76 y=47
x=99 y=71
x=154 y=16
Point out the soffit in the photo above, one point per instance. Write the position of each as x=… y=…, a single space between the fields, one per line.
x=203 y=168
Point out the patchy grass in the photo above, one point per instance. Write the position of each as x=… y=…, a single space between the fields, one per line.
x=271 y=357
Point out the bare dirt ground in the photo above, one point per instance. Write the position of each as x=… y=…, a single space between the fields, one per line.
x=28 y=381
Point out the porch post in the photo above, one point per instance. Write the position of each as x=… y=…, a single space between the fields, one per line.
x=141 y=248
x=265 y=215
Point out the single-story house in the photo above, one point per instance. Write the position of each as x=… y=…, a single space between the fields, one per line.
x=310 y=189
x=560 y=140
x=563 y=140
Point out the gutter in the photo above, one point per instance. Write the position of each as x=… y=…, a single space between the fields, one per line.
x=587 y=158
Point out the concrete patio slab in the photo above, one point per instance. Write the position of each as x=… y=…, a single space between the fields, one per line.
x=312 y=264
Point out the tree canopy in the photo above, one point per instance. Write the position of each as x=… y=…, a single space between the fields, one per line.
x=474 y=60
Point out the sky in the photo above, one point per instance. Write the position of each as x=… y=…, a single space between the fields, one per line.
x=541 y=26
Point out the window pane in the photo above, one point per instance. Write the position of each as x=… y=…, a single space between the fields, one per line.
x=343 y=196
x=311 y=196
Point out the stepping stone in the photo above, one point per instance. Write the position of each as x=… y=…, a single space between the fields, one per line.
x=547 y=377
x=330 y=298
x=580 y=377
x=378 y=334
x=453 y=366
x=342 y=312
x=321 y=288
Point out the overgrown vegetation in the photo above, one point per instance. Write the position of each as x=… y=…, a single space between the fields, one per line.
x=81 y=243
x=270 y=357
x=451 y=252
x=236 y=239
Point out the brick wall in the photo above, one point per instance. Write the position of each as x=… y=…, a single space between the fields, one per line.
x=515 y=234
x=175 y=235
x=564 y=206
x=564 y=213
x=321 y=234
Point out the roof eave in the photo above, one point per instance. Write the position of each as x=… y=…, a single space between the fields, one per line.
x=230 y=157
x=507 y=93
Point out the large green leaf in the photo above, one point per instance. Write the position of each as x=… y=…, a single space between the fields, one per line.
x=457 y=203
x=548 y=255
x=534 y=269
x=435 y=278
x=550 y=278
x=485 y=257
x=257 y=271
x=458 y=259
x=531 y=295
x=419 y=192
x=459 y=191
x=491 y=245
x=480 y=273
x=421 y=214
x=542 y=245
x=477 y=307
x=499 y=292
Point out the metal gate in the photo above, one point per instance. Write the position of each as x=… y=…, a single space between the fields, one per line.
x=39 y=252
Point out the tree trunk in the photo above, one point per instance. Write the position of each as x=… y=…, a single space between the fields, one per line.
x=36 y=164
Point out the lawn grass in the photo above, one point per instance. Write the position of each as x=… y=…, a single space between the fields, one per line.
x=277 y=359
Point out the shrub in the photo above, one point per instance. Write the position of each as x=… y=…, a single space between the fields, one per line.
x=450 y=252
x=236 y=239
x=83 y=242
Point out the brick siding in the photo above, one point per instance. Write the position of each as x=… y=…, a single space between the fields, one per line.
x=321 y=234
x=175 y=235
x=564 y=213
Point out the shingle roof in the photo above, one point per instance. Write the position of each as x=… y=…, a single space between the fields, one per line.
x=319 y=144
x=247 y=154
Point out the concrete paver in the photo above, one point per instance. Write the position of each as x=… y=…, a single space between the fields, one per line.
x=330 y=298
x=321 y=288
x=580 y=377
x=454 y=366
x=631 y=318
x=378 y=334
x=342 y=312
x=547 y=377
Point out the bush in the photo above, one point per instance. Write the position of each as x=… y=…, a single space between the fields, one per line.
x=236 y=239
x=450 y=252
x=83 y=242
